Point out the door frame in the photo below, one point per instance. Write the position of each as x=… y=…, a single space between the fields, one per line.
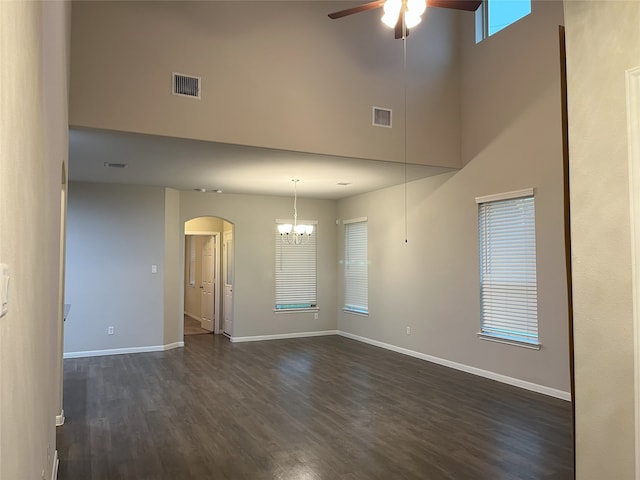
x=633 y=127
x=217 y=322
x=228 y=236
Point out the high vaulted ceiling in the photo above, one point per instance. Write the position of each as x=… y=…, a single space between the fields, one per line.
x=286 y=93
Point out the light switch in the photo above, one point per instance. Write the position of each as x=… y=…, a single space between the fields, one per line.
x=4 y=289
x=154 y=269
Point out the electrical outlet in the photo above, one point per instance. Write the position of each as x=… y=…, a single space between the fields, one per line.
x=110 y=330
x=315 y=316
x=408 y=330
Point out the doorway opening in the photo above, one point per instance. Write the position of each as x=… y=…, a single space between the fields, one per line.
x=208 y=276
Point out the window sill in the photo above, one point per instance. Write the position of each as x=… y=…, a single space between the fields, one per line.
x=296 y=310
x=509 y=341
x=355 y=312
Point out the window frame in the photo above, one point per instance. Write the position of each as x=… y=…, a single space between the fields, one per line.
x=482 y=20
x=279 y=244
x=523 y=297
x=347 y=307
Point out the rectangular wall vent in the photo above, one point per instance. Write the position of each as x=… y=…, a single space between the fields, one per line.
x=382 y=117
x=185 y=85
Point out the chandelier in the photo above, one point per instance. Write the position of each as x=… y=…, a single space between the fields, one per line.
x=295 y=234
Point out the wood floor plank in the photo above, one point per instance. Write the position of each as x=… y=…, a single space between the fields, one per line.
x=314 y=408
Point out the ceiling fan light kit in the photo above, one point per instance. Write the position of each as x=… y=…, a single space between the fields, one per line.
x=401 y=15
x=412 y=10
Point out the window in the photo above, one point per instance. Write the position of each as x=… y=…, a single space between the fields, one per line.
x=356 y=277
x=508 y=287
x=295 y=273
x=494 y=15
x=191 y=266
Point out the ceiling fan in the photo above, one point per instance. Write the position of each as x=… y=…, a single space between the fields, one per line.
x=401 y=15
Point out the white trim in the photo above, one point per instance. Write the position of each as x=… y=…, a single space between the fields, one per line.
x=296 y=310
x=633 y=139
x=56 y=464
x=527 y=192
x=217 y=321
x=258 y=338
x=552 y=392
x=123 y=351
x=507 y=341
x=60 y=419
x=193 y=317
x=199 y=232
x=355 y=220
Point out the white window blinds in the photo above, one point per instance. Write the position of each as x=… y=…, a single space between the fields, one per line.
x=508 y=287
x=356 y=277
x=295 y=273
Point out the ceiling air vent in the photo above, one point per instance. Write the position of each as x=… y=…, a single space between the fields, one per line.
x=185 y=85
x=382 y=117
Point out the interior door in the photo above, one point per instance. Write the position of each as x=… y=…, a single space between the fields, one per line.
x=228 y=268
x=207 y=288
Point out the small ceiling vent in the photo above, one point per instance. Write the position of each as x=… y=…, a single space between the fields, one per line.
x=185 y=85
x=382 y=117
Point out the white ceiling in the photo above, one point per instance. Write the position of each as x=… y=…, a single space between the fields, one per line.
x=189 y=164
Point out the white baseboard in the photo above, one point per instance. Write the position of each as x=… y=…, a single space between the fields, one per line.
x=257 y=338
x=190 y=315
x=60 y=419
x=534 y=387
x=56 y=463
x=123 y=351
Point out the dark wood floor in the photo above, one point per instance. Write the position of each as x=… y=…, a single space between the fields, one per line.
x=301 y=409
x=193 y=327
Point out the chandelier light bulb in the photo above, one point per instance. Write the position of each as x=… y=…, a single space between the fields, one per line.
x=285 y=228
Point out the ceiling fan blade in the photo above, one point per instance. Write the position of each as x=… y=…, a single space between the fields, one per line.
x=467 y=5
x=358 y=9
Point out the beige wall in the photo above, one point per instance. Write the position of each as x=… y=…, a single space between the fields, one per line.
x=432 y=282
x=603 y=40
x=274 y=74
x=33 y=135
x=115 y=233
x=253 y=218
x=172 y=275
